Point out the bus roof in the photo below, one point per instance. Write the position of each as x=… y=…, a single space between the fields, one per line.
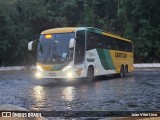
x=73 y=29
x=60 y=30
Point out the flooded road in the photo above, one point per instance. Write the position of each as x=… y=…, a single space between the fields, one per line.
x=139 y=90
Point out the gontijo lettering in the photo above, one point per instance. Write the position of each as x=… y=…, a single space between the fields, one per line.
x=120 y=55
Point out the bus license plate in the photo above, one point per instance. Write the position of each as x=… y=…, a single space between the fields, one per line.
x=52 y=74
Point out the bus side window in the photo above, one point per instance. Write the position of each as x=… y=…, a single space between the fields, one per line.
x=101 y=41
x=91 y=43
x=106 y=42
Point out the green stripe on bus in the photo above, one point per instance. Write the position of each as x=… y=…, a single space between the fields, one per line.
x=105 y=59
x=102 y=58
x=109 y=59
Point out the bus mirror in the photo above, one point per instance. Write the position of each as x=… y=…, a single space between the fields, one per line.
x=72 y=43
x=30 y=45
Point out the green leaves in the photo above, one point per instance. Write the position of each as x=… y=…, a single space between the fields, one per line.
x=22 y=21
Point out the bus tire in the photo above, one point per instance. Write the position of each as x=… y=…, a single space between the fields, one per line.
x=90 y=74
x=122 y=72
x=125 y=70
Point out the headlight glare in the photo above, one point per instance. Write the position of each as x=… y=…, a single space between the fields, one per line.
x=66 y=68
x=38 y=75
x=40 y=68
x=70 y=75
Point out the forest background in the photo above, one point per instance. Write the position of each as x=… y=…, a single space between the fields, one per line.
x=22 y=21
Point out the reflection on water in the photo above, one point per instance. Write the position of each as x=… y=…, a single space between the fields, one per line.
x=68 y=94
x=38 y=94
x=84 y=88
x=132 y=79
x=97 y=85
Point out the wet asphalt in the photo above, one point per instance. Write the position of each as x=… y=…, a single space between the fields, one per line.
x=139 y=90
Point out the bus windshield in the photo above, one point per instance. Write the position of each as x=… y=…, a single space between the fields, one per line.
x=55 y=48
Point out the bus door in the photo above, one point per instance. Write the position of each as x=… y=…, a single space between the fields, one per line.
x=79 y=57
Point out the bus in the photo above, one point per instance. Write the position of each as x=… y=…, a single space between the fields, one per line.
x=82 y=52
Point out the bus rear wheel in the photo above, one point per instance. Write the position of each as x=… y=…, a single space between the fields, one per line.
x=122 y=72
x=126 y=69
x=90 y=74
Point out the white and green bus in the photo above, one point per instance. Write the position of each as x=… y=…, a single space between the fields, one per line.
x=82 y=52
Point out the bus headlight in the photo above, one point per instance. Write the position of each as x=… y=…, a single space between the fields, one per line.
x=38 y=75
x=40 y=68
x=66 y=68
x=69 y=75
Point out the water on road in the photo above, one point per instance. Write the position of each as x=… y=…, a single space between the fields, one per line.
x=139 y=90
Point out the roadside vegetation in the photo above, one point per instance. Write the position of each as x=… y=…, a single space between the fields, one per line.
x=23 y=20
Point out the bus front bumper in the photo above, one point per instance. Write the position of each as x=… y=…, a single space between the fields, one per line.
x=55 y=74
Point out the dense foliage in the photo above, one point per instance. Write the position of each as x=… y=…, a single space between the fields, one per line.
x=23 y=20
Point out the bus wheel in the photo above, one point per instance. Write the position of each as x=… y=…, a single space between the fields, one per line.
x=90 y=74
x=125 y=70
x=122 y=72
